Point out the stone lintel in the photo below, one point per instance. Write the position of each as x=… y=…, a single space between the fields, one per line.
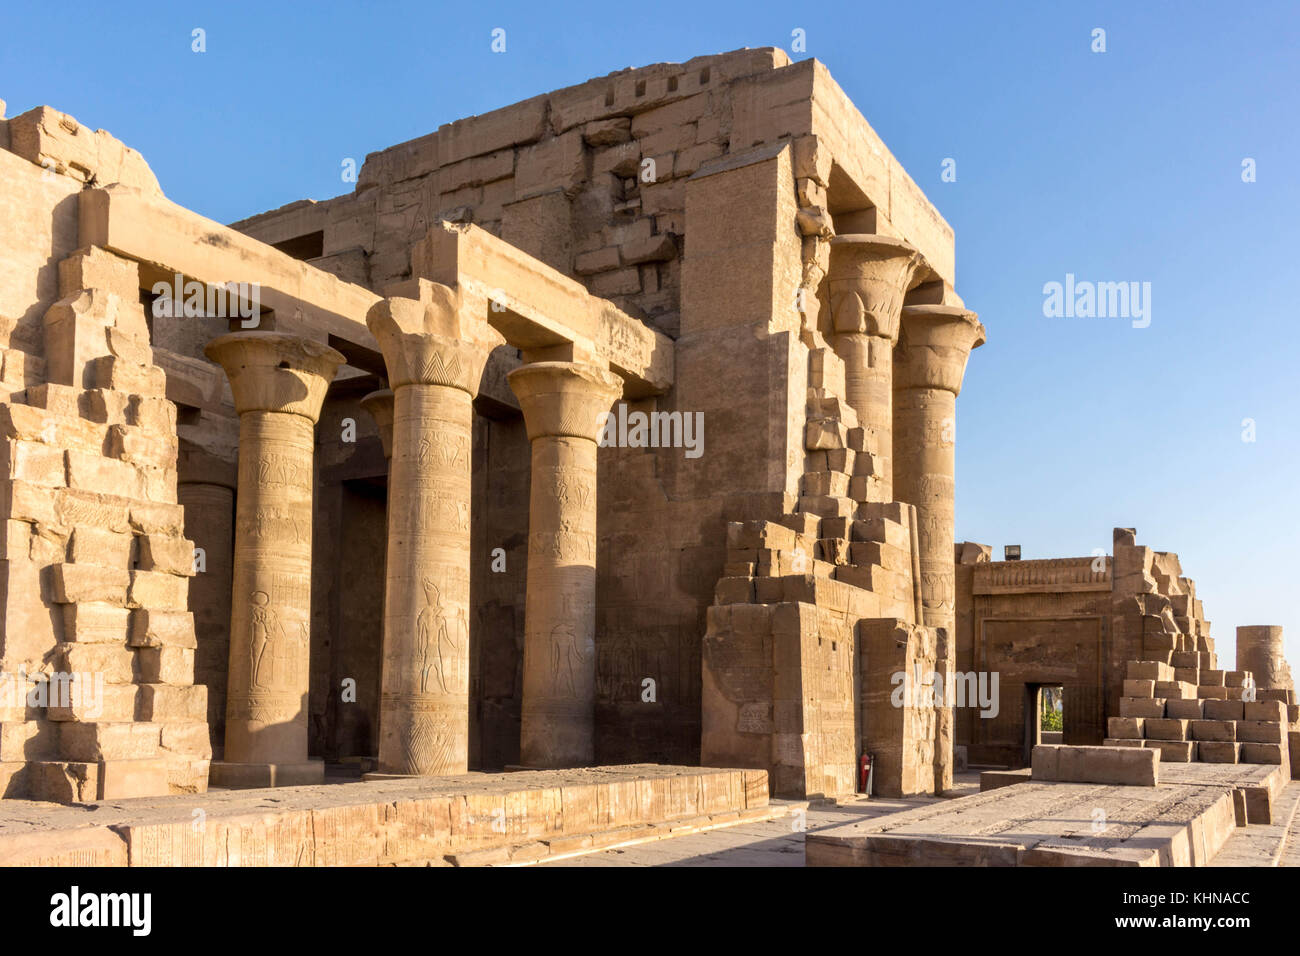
x=536 y=307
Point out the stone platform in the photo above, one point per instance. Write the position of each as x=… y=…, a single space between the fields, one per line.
x=473 y=818
x=1183 y=821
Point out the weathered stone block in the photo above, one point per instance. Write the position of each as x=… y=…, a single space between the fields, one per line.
x=1224 y=730
x=1166 y=728
x=1261 y=731
x=1142 y=707
x=1191 y=709
x=166 y=665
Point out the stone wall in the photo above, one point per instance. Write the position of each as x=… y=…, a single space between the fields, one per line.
x=698 y=198
x=1073 y=622
x=98 y=644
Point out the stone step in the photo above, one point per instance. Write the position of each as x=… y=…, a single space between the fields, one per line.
x=821 y=484
x=828 y=506
x=88 y=699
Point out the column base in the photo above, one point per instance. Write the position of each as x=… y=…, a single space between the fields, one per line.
x=245 y=776
x=518 y=767
x=375 y=775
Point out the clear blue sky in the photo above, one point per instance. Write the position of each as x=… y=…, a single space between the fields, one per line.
x=1115 y=166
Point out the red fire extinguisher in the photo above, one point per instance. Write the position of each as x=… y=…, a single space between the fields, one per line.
x=864 y=773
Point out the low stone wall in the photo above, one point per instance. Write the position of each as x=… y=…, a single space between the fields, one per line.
x=400 y=821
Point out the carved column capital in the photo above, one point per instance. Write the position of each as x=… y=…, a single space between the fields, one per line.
x=272 y=372
x=564 y=399
x=431 y=340
x=869 y=275
x=933 y=345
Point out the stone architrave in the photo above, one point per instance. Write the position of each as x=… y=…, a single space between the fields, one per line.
x=435 y=355
x=278 y=382
x=868 y=277
x=562 y=404
x=929 y=363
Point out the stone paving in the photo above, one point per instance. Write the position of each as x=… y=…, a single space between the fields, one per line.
x=780 y=842
x=777 y=842
x=1266 y=844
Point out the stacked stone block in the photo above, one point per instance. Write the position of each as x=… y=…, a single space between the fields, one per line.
x=95 y=566
x=590 y=180
x=1193 y=714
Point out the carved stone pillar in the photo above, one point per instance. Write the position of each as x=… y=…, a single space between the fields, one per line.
x=562 y=404
x=929 y=363
x=868 y=278
x=435 y=358
x=278 y=383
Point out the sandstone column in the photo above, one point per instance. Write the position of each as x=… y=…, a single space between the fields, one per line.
x=279 y=383
x=1260 y=650
x=435 y=357
x=868 y=278
x=929 y=363
x=562 y=404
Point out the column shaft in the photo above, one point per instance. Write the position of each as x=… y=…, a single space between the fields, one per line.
x=925 y=420
x=424 y=709
x=278 y=383
x=434 y=349
x=563 y=405
x=558 y=716
x=934 y=344
x=270 y=620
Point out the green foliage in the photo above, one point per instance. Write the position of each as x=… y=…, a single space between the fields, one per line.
x=1051 y=716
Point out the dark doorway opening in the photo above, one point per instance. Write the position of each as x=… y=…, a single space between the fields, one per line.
x=1044 y=716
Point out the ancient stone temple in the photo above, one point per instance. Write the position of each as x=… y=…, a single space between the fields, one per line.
x=1124 y=641
x=610 y=429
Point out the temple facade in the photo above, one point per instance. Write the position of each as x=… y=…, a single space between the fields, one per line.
x=337 y=485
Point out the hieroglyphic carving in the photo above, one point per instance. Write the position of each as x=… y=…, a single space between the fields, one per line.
x=264 y=631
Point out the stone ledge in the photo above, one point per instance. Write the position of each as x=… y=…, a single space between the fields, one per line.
x=398 y=821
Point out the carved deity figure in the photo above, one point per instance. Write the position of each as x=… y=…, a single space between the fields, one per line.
x=437 y=638
x=264 y=628
x=566 y=658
